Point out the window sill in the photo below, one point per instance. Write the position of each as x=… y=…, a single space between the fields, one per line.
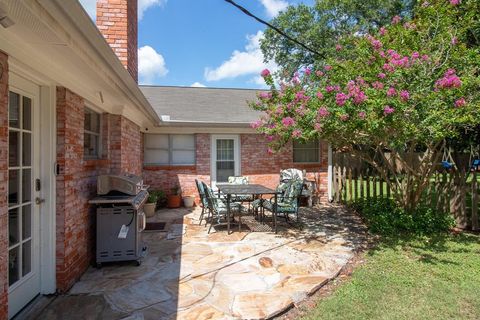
x=170 y=167
x=92 y=162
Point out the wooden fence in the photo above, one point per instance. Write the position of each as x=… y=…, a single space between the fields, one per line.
x=450 y=192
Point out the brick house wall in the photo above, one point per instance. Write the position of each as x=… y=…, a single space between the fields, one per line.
x=3 y=185
x=117 y=21
x=76 y=181
x=256 y=163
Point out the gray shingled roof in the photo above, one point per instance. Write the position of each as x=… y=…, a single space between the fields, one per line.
x=203 y=105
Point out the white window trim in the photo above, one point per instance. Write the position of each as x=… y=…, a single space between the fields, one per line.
x=98 y=154
x=314 y=162
x=170 y=151
x=213 y=155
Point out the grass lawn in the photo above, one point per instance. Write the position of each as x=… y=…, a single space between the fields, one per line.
x=427 y=278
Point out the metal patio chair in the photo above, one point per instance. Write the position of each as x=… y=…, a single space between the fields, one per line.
x=203 y=202
x=287 y=202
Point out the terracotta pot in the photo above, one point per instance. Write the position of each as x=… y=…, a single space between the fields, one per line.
x=174 y=201
x=188 y=201
x=149 y=209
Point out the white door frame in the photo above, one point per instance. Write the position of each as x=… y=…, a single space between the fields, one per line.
x=213 y=156
x=18 y=73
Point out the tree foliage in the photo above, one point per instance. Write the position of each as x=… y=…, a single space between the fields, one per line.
x=321 y=25
x=407 y=87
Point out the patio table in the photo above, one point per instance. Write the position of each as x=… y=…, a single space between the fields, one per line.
x=230 y=189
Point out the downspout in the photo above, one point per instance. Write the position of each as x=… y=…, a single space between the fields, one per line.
x=330 y=173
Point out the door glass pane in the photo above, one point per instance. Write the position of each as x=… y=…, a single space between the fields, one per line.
x=26 y=185
x=13 y=265
x=14 y=110
x=13 y=187
x=26 y=257
x=13 y=148
x=27 y=149
x=26 y=222
x=225 y=159
x=225 y=169
x=13 y=226
x=27 y=113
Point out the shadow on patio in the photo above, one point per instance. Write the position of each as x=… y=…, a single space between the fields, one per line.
x=189 y=274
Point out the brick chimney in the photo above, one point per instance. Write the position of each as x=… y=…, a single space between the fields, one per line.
x=117 y=21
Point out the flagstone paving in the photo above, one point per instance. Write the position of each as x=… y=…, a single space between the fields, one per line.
x=190 y=274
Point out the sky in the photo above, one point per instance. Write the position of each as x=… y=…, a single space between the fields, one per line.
x=201 y=42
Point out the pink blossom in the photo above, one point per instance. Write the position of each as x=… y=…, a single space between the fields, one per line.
x=338 y=47
x=449 y=80
x=425 y=4
x=317 y=126
x=256 y=124
x=404 y=95
x=460 y=102
x=396 y=19
x=391 y=92
x=336 y=88
x=455 y=2
x=382 y=31
x=328 y=68
x=308 y=71
x=381 y=75
x=362 y=115
x=288 y=121
x=265 y=95
x=376 y=44
x=265 y=73
x=344 y=117
x=296 y=133
x=323 y=112
x=454 y=41
x=388 y=110
x=300 y=95
x=270 y=151
x=269 y=138
x=359 y=98
x=387 y=67
x=319 y=73
x=377 y=85
x=329 y=88
x=425 y=57
x=415 y=55
x=319 y=95
x=341 y=98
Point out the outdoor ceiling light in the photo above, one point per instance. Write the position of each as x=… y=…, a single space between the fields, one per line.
x=5 y=21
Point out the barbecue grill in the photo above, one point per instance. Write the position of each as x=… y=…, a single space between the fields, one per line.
x=120 y=218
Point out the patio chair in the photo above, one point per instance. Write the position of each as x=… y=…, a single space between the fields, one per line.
x=218 y=207
x=240 y=197
x=203 y=202
x=287 y=202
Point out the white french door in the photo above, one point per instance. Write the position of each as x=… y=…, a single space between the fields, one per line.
x=23 y=212
x=225 y=157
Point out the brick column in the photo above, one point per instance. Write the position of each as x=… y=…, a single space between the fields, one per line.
x=3 y=185
x=125 y=146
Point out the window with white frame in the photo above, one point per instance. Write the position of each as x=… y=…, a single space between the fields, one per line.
x=306 y=152
x=169 y=149
x=91 y=134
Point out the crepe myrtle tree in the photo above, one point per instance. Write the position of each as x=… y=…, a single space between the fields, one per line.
x=386 y=96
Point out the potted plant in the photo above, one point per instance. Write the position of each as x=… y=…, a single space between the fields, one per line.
x=174 y=200
x=188 y=201
x=151 y=205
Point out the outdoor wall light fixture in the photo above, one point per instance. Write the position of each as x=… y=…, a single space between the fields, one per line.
x=5 y=21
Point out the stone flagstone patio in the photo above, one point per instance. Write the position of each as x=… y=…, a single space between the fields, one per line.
x=189 y=274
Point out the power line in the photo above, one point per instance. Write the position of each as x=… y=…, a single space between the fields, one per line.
x=248 y=13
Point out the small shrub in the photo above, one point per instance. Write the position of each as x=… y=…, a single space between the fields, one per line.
x=383 y=216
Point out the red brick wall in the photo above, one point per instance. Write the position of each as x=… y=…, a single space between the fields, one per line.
x=125 y=146
x=256 y=163
x=117 y=21
x=3 y=185
x=76 y=184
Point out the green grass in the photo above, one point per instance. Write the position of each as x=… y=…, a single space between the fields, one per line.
x=427 y=278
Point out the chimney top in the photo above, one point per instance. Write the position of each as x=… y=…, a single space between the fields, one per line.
x=117 y=21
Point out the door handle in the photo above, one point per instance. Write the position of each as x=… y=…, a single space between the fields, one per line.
x=39 y=200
